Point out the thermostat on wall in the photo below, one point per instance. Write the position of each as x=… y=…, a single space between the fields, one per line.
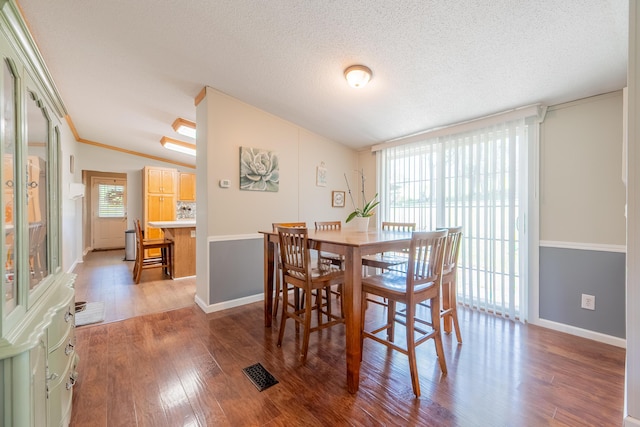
x=225 y=183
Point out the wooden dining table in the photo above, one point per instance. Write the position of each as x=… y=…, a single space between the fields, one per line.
x=352 y=245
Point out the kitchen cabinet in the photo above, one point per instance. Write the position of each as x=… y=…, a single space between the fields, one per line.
x=161 y=180
x=37 y=306
x=187 y=186
x=158 y=200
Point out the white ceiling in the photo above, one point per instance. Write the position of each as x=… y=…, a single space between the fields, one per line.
x=126 y=69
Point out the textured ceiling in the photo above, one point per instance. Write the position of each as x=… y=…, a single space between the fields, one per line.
x=126 y=69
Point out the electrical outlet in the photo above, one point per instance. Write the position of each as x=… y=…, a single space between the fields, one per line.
x=588 y=302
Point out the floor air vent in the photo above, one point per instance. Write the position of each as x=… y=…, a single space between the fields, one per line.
x=259 y=376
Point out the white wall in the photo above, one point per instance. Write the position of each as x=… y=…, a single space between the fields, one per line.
x=582 y=196
x=71 y=209
x=233 y=124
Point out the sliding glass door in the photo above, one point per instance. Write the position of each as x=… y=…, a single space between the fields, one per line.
x=477 y=179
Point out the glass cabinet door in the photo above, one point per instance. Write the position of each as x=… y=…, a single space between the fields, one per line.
x=8 y=135
x=37 y=190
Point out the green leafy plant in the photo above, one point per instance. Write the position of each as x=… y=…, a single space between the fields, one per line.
x=368 y=208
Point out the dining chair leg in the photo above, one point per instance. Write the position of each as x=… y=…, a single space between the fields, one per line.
x=297 y=302
x=454 y=311
x=307 y=323
x=283 y=319
x=456 y=325
x=327 y=291
x=435 y=319
x=446 y=301
x=411 y=349
x=138 y=269
x=278 y=292
x=391 y=320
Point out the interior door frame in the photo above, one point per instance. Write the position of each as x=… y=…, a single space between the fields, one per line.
x=87 y=209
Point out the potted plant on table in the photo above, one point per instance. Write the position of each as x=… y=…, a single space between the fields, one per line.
x=368 y=207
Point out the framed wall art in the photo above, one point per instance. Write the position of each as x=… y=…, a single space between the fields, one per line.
x=321 y=175
x=337 y=199
x=259 y=170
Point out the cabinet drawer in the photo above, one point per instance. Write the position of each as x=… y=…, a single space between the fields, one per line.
x=62 y=356
x=60 y=325
x=60 y=395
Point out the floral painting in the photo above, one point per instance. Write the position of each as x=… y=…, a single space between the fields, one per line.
x=259 y=170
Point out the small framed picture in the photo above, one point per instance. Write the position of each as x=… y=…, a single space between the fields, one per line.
x=337 y=199
x=321 y=176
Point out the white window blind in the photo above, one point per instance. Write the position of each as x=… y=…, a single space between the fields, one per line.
x=110 y=201
x=477 y=179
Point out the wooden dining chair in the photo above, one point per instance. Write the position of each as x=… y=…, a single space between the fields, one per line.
x=298 y=272
x=421 y=282
x=449 y=282
x=329 y=258
x=278 y=282
x=144 y=262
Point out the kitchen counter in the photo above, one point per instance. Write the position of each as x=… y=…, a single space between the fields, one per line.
x=174 y=224
x=183 y=234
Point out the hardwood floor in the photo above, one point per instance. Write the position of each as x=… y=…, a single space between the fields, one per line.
x=184 y=368
x=104 y=276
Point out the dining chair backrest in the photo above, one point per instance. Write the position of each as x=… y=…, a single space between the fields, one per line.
x=275 y=225
x=328 y=225
x=398 y=226
x=426 y=255
x=449 y=311
x=294 y=253
x=139 y=237
x=452 y=252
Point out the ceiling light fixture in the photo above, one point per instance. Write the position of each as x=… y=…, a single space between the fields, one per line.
x=184 y=127
x=357 y=75
x=179 y=146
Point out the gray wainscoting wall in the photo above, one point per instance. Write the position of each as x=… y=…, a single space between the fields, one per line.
x=566 y=274
x=236 y=269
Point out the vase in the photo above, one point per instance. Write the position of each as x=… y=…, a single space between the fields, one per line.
x=361 y=223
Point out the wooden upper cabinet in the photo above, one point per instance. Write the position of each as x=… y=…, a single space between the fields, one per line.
x=187 y=185
x=161 y=180
x=158 y=200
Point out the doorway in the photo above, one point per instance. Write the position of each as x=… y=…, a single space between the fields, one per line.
x=105 y=210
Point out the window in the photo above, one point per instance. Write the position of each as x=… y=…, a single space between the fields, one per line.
x=111 y=202
x=477 y=179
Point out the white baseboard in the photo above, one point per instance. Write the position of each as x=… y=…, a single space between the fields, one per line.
x=212 y=308
x=74 y=265
x=87 y=250
x=584 y=333
x=631 y=422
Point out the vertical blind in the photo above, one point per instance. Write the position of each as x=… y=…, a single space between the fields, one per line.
x=477 y=179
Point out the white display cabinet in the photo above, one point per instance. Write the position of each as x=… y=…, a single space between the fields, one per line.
x=37 y=341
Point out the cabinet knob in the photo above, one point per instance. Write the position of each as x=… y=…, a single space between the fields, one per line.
x=72 y=380
x=67 y=316
x=68 y=349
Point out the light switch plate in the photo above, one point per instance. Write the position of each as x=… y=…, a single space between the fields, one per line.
x=224 y=183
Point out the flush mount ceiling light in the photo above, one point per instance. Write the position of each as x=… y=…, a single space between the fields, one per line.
x=357 y=75
x=184 y=127
x=176 y=145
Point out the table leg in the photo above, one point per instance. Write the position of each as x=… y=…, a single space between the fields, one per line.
x=269 y=249
x=353 y=314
